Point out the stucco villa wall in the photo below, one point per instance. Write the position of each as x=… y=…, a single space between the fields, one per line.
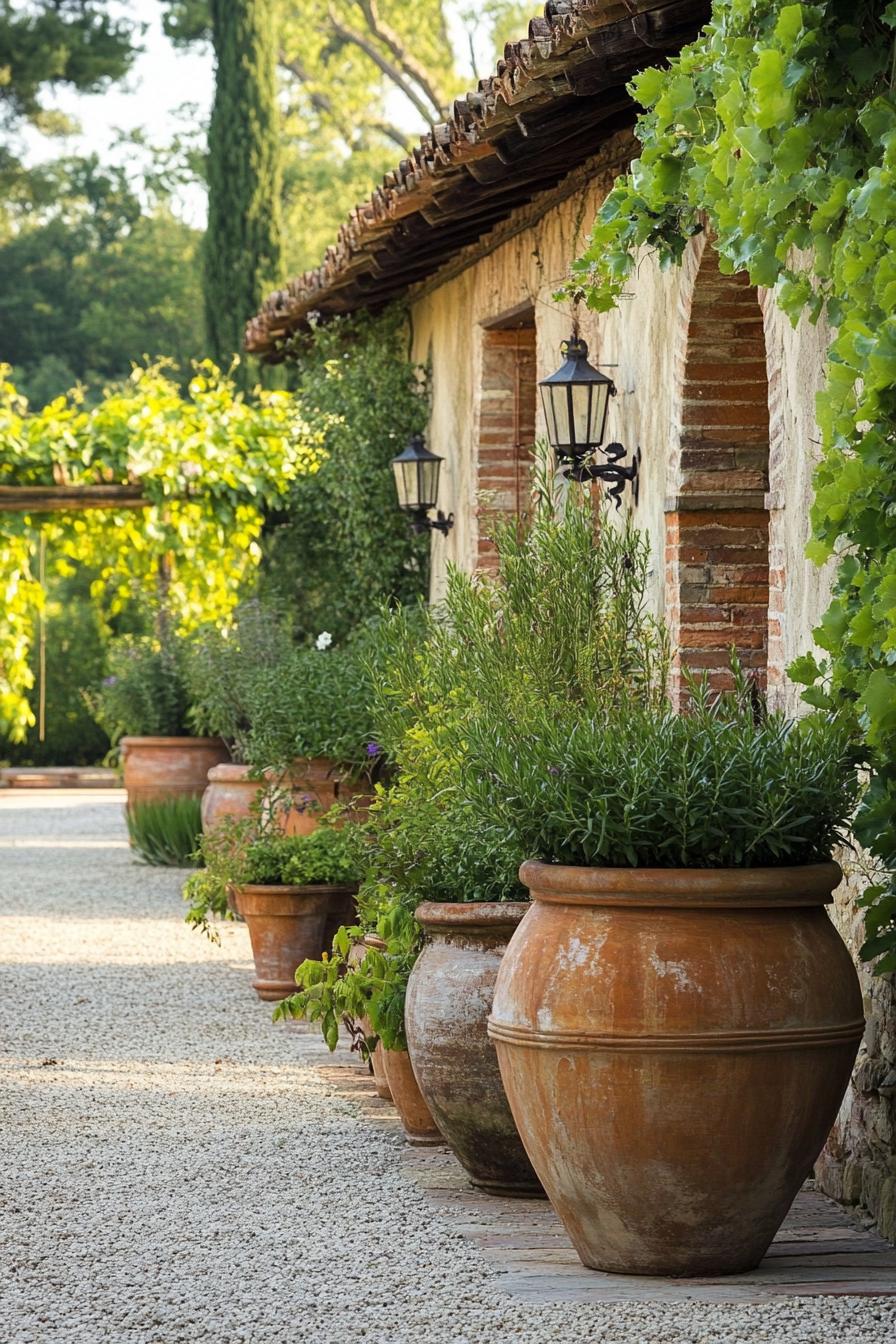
x=646 y=338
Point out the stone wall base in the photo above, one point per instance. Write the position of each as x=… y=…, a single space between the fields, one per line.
x=858 y=1165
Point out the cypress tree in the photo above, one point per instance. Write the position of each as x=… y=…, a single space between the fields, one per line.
x=242 y=252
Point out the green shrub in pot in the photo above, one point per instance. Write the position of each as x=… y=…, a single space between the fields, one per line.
x=144 y=693
x=565 y=620
x=241 y=852
x=223 y=668
x=724 y=784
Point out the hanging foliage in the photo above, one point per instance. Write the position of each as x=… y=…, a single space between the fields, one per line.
x=209 y=463
x=778 y=125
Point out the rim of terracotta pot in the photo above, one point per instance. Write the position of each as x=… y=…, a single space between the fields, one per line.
x=314 y=769
x=231 y=771
x=796 y=884
x=285 y=889
x=171 y=741
x=374 y=940
x=470 y=914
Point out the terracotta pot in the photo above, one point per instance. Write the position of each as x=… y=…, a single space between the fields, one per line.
x=312 y=784
x=674 y=1045
x=419 y=1126
x=159 y=768
x=343 y=910
x=229 y=793
x=446 y=1014
x=377 y=1067
x=286 y=926
x=380 y=1081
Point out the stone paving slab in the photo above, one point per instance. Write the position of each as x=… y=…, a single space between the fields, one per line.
x=817 y=1252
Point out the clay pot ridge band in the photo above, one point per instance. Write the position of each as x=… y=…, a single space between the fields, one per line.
x=803 y=884
x=478 y=914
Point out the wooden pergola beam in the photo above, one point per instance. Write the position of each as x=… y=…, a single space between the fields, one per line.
x=70 y=498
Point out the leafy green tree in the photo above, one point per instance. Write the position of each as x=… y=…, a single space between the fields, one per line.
x=89 y=284
x=359 y=80
x=242 y=255
x=48 y=43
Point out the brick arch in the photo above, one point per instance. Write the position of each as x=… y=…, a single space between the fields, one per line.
x=717 y=523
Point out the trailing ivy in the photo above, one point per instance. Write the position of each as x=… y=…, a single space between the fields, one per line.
x=340 y=546
x=778 y=125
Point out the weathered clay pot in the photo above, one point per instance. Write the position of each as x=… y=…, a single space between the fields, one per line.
x=343 y=910
x=160 y=768
x=377 y=1067
x=674 y=1045
x=286 y=926
x=229 y=793
x=307 y=790
x=416 y=1118
x=380 y=1081
x=446 y=1014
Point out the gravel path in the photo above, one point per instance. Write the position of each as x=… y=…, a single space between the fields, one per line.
x=174 y=1170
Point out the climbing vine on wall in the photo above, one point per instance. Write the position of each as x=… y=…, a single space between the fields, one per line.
x=209 y=462
x=778 y=126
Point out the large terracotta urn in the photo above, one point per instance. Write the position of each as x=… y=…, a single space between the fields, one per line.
x=286 y=926
x=300 y=796
x=230 y=792
x=160 y=768
x=448 y=1001
x=674 y=1045
x=416 y=1118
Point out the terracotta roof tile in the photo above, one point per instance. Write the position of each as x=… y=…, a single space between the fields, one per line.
x=553 y=99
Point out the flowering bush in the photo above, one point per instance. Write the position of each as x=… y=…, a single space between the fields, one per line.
x=144 y=694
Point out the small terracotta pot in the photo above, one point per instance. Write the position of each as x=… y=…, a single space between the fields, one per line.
x=446 y=1015
x=419 y=1126
x=674 y=1045
x=286 y=926
x=230 y=792
x=160 y=768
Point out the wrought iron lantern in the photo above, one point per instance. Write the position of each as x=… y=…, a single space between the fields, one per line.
x=417 y=482
x=575 y=400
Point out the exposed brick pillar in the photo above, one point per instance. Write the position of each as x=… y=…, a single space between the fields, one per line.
x=506 y=432
x=717 y=527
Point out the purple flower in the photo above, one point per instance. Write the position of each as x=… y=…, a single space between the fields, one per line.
x=373 y=748
x=110 y=681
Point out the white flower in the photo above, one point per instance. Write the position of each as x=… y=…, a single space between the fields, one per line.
x=324 y=640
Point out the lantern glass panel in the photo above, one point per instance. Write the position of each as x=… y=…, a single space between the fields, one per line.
x=582 y=401
x=405 y=482
x=556 y=413
x=428 y=483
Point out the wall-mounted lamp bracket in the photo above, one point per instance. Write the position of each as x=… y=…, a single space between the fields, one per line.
x=421 y=522
x=613 y=471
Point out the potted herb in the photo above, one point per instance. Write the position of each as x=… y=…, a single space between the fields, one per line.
x=444 y=889
x=223 y=668
x=676 y=1018
x=143 y=705
x=361 y=984
x=296 y=718
x=290 y=890
x=312 y=727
